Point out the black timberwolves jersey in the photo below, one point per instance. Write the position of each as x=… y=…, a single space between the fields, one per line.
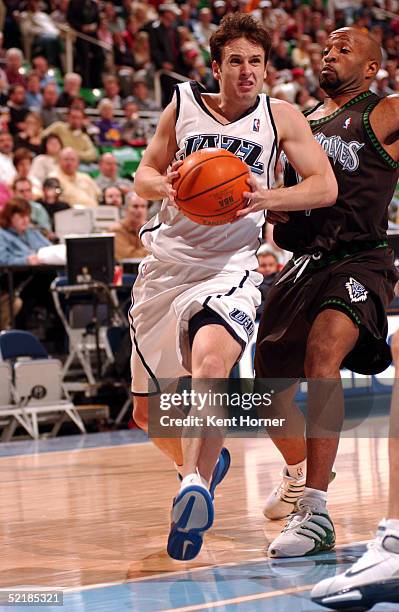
x=366 y=176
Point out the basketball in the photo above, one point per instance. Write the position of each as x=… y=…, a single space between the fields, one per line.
x=210 y=186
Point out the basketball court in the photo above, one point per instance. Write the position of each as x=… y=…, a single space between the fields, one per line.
x=89 y=515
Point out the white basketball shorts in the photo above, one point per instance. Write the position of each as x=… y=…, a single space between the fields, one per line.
x=165 y=297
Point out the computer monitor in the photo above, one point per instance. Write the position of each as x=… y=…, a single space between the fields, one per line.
x=90 y=258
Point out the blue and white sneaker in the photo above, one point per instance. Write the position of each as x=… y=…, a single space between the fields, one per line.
x=373 y=579
x=192 y=515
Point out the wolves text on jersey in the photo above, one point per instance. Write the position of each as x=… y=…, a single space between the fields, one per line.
x=246 y=150
x=345 y=153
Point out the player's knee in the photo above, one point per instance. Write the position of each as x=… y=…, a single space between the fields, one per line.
x=140 y=412
x=211 y=366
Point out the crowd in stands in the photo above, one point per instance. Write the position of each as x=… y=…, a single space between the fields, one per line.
x=67 y=138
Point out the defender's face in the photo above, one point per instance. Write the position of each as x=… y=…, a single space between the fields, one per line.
x=343 y=61
x=242 y=71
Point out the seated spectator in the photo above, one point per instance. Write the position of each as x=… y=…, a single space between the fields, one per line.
x=47 y=162
x=123 y=55
x=301 y=54
x=142 y=51
x=23 y=164
x=51 y=199
x=127 y=242
x=59 y=15
x=5 y=194
x=111 y=91
x=34 y=98
x=112 y=196
x=77 y=188
x=109 y=174
x=71 y=133
x=31 y=136
x=22 y=188
x=7 y=168
x=49 y=112
x=72 y=85
x=17 y=107
x=134 y=131
x=204 y=28
x=13 y=69
x=141 y=94
x=19 y=243
x=38 y=28
x=108 y=134
x=40 y=66
x=268 y=266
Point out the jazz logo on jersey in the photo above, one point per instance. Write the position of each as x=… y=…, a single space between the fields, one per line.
x=357 y=292
x=347 y=123
x=243 y=319
x=256 y=125
x=250 y=152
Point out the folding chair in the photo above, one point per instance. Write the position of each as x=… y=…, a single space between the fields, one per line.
x=86 y=311
x=36 y=387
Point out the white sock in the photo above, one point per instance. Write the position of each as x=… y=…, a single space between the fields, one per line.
x=392 y=524
x=193 y=479
x=316 y=495
x=298 y=470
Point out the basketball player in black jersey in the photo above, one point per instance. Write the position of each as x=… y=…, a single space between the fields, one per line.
x=327 y=307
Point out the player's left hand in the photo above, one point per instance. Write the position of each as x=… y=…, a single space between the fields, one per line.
x=256 y=198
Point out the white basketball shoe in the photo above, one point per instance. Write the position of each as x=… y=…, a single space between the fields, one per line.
x=307 y=532
x=283 y=499
x=373 y=579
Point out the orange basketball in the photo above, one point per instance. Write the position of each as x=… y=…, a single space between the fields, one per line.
x=210 y=186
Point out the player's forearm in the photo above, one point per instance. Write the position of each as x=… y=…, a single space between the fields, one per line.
x=149 y=183
x=313 y=192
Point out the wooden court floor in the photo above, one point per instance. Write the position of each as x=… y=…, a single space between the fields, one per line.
x=86 y=517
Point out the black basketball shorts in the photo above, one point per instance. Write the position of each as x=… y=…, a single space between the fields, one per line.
x=360 y=285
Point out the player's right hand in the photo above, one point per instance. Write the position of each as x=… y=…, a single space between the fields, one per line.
x=274 y=217
x=171 y=177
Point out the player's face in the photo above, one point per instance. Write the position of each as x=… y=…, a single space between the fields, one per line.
x=343 y=62
x=242 y=71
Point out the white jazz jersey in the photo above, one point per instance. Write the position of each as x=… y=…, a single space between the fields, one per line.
x=173 y=238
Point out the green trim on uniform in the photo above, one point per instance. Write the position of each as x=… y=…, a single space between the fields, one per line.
x=374 y=140
x=338 y=302
x=343 y=108
x=332 y=257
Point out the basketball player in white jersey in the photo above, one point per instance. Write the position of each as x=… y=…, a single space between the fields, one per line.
x=374 y=578
x=196 y=294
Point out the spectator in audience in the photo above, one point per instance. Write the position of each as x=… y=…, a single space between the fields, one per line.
x=71 y=91
x=109 y=174
x=19 y=243
x=268 y=266
x=40 y=66
x=59 y=15
x=123 y=56
x=134 y=130
x=127 y=242
x=204 y=28
x=31 y=136
x=112 y=196
x=49 y=112
x=17 y=107
x=13 y=70
x=7 y=168
x=130 y=34
x=111 y=91
x=72 y=135
x=165 y=49
x=381 y=84
x=300 y=55
x=51 y=201
x=84 y=16
x=77 y=188
x=280 y=57
x=219 y=11
x=23 y=161
x=142 y=51
x=141 y=94
x=34 y=98
x=38 y=28
x=115 y=23
x=108 y=129
x=43 y=165
x=22 y=188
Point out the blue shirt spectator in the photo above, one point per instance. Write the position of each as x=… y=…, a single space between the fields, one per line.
x=19 y=243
